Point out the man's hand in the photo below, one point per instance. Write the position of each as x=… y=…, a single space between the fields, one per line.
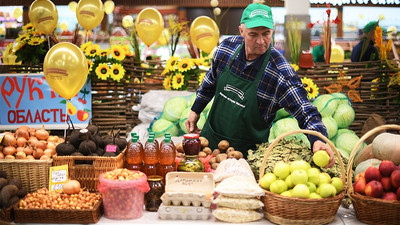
x=319 y=145
x=191 y=122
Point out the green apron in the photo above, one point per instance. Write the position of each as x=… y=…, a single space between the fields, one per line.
x=234 y=115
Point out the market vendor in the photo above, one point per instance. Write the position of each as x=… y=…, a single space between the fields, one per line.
x=250 y=81
x=365 y=49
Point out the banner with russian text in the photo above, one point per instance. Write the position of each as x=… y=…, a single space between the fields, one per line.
x=27 y=99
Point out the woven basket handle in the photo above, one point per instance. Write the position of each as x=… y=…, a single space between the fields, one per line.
x=312 y=132
x=357 y=146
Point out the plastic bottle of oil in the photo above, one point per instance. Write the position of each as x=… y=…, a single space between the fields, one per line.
x=167 y=156
x=134 y=154
x=150 y=158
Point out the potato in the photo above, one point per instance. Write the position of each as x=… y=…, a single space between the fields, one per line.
x=212 y=160
x=238 y=154
x=204 y=142
x=202 y=154
x=223 y=145
x=230 y=149
x=179 y=147
x=214 y=166
x=207 y=150
x=231 y=155
x=221 y=157
x=216 y=152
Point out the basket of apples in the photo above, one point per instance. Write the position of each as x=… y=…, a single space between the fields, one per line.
x=375 y=191
x=296 y=193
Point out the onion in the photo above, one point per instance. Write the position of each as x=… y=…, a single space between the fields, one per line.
x=32 y=141
x=20 y=149
x=72 y=187
x=52 y=138
x=41 y=144
x=37 y=153
x=30 y=157
x=9 y=157
x=1 y=155
x=28 y=151
x=9 y=150
x=44 y=157
x=51 y=145
x=42 y=134
x=9 y=139
x=22 y=133
x=32 y=132
x=49 y=152
x=20 y=155
x=21 y=142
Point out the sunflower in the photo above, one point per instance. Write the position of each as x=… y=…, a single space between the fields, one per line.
x=118 y=52
x=178 y=81
x=311 y=88
x=22 y=38
x=199 y=62
x=36 y=41
x=184 y=65
x=103 y=71
x=127 y=50
x=201 y=77
x=117 y=71
x=9 y=49
x=167 y=82
x=103 y=52
x=28 y=27
x=295 y=66
x=90 y=65
x=85 y=45
x=171 y=63
x=93 y=50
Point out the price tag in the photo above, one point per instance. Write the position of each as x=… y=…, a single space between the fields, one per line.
x=58 y=176
x=111 y=148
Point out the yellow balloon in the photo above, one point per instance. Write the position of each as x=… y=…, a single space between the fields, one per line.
x=109 y=6
x=127 y=21
x=337 y=54
x=204 y=33
x=17 y=12
x=72 y=6
x=164 y=37
x=64 y=25
x=89 y=13
x=65 y=69
x=149 y=25
x=43 y=16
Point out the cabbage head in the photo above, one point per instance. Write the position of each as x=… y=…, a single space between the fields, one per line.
x=330 y=125
x=325 y=104
x=341 y=98
x=184 y=116
x=281 y=113
x=161 y=126
x=284 y=125
x=173 y=108
x=347 y=141
x=344 y=115
x=341 y=131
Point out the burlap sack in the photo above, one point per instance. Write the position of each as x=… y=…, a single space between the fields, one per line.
x=374 y=120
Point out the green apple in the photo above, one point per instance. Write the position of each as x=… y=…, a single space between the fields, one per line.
x=281 y=170
x=289 y=182
x=301 y=191
x=267 y=180
x=287 y=193
x=299 y=177
x=321 y=158
x=313 y=175
x=338 y=184
x=278 y=186
x=324 y=178
x=312 y=187
x=327 y=190
x=299 y=165
x=315 y=196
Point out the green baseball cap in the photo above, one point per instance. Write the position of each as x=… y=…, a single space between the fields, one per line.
x=257 y=15
x=370 y=26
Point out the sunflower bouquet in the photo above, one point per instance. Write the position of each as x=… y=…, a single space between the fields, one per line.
x=178 y=71
x=106 y=63
x=29 y=47
x=311 y=88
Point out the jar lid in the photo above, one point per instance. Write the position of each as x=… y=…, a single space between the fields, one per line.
x=154 y=178
x=191 y=136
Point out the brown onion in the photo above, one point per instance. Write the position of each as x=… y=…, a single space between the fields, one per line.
x=9 y=157
x=20 y=155
x=52 y=138
x=51 y=145
x=1 y=155
x=42 y=134
x=20 y=149
x=22 y=133
x=9 y=150
x=48 y=152
x=30 y=157
x=72 y=187
x=21 y=142
x=41 y=144
x=32 y=141
x=28 y=150
x=37 y=153
x=44 y=157
x=9 y=139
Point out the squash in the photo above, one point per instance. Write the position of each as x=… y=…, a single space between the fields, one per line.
x=386 y=146
x=364 y=154
x=363 y=166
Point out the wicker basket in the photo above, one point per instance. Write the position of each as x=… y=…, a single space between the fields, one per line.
x=83 y=216
x=289 y=210
x=7 y=215
x=88 y=174
x=34 y=174
x=368 y=209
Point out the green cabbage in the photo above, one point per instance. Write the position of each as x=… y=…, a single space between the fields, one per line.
x=161 y=126
x=341 y=98
x=173 y=108
x=341 y=131
x=184 y=116
x=330 y=125
x=343 y=153
x=325 y=104
x=347 y=141
x=281 y=113
x=344 y=115
x=284 y=125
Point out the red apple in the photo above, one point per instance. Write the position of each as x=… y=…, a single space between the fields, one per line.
x=386 y=168
x=372 y=173
x=386 y=183
x=374 y=189
x=359 y=186
x=395 y=178
x=389 y=196
x=398 y=193
x=359 y=175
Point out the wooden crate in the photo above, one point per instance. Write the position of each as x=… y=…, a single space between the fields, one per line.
x=376 y=97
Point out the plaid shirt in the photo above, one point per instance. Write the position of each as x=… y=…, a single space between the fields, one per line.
x=280 y=86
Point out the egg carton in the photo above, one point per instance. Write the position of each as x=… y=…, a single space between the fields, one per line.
x=183 y=212
x=187 y=199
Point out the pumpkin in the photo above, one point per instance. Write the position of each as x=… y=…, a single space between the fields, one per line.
x=363 y=166
x=386 y=146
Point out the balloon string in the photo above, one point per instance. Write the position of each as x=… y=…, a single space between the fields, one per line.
x=66 y=119
x=48 y=40
x=94 y=36
x=87 y=36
